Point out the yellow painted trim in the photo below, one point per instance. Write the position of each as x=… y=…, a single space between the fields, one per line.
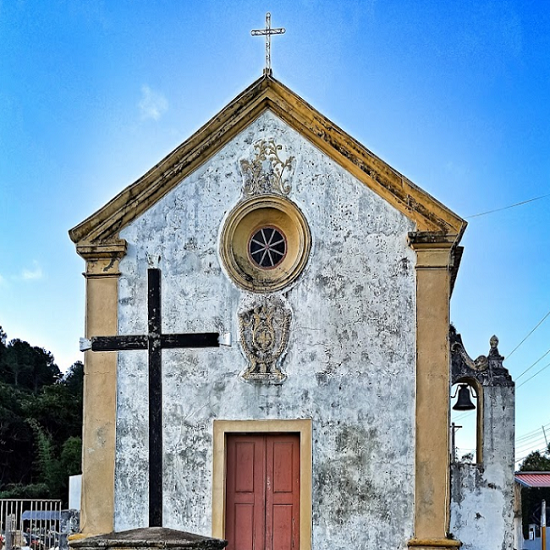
x=266 y=94
x=99 y=418
x=432 y=483
x=223 y=427
x=427 y=544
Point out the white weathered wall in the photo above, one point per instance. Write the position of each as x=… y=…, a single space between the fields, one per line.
x=350 y=360
x=482 y=495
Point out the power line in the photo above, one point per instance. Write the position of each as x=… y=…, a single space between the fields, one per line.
x=518 y=377
x=528 y=434
x=533 y=330
x=525 y=441
x=465 y=415
x=541 y=450
x=523 y=383
x=506 y=207
x=531 y=366
x=531 y=377
x=528 y=445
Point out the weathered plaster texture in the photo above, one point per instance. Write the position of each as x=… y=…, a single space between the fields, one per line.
x=482 y=495
x=350 y=363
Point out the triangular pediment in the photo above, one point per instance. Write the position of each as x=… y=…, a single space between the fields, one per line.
x=98 y=234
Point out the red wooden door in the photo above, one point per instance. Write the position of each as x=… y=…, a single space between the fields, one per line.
x=263 y=492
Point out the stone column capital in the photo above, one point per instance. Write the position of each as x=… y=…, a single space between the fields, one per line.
x=102 y=259
x=434 y=250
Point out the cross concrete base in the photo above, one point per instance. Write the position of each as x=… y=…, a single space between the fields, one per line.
x=148 y=537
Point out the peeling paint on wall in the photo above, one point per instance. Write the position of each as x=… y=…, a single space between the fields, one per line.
x=350 y=362
x=482 y=495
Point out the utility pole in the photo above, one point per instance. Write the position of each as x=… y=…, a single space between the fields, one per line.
x=543 y=524
x=454 y=427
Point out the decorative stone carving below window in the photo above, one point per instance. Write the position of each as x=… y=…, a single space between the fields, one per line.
x=265 y=172
x=264 y=327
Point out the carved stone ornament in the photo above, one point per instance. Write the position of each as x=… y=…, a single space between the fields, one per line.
x=265 y=172
x=264 y=327
x=488 y=370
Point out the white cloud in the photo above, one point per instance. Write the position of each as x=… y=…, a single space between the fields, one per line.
x=153 y=104
x=32 y=274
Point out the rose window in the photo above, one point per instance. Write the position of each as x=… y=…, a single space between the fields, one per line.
x=267 y=247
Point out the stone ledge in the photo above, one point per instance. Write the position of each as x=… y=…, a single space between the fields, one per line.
x=149 y=537
x=434 y=544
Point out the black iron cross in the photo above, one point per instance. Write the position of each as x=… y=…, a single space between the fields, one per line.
x=267 y=32
x=154 y=341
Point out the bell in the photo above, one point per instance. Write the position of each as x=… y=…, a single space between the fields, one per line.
x=464 y=403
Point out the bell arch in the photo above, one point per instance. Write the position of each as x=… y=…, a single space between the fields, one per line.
x=488 y=376
x=469 y=383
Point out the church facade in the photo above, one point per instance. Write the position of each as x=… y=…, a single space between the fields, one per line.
x=322 y=421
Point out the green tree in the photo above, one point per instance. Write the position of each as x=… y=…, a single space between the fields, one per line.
x=71 y=457
x=16 y=439
x=74 y=379
x=28 y=367
x=55 y=465
x=536 y=461
x=40 y=422
x=57 y=410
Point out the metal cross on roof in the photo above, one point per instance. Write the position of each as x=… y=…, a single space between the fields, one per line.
x=267 y=32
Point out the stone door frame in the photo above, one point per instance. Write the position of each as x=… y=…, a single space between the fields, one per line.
x=223 y=427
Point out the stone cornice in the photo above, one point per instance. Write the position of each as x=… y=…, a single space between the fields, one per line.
x=433 y=249
x=437 y=250
x=102 y=259
x=424 y=240
x=266 y=94
x=114 y=249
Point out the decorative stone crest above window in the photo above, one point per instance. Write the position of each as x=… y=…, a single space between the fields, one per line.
x=266 y=172
x=265 y=241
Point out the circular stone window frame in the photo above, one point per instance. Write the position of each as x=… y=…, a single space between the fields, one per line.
x=248 y=217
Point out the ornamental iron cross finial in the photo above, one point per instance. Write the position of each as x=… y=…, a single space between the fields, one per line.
x=267 y=32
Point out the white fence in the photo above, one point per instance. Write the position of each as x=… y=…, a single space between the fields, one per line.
x=28 y=523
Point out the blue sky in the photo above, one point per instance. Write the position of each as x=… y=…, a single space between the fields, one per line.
x=455 y=95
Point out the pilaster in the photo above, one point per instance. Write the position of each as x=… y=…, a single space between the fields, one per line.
x=432 y=484
x=100 y=383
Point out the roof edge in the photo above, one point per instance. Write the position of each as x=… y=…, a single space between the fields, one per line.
x=267 y=93
x=85 y=230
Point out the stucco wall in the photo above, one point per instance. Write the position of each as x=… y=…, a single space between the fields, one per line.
x=482 y=495
x=350 y=360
